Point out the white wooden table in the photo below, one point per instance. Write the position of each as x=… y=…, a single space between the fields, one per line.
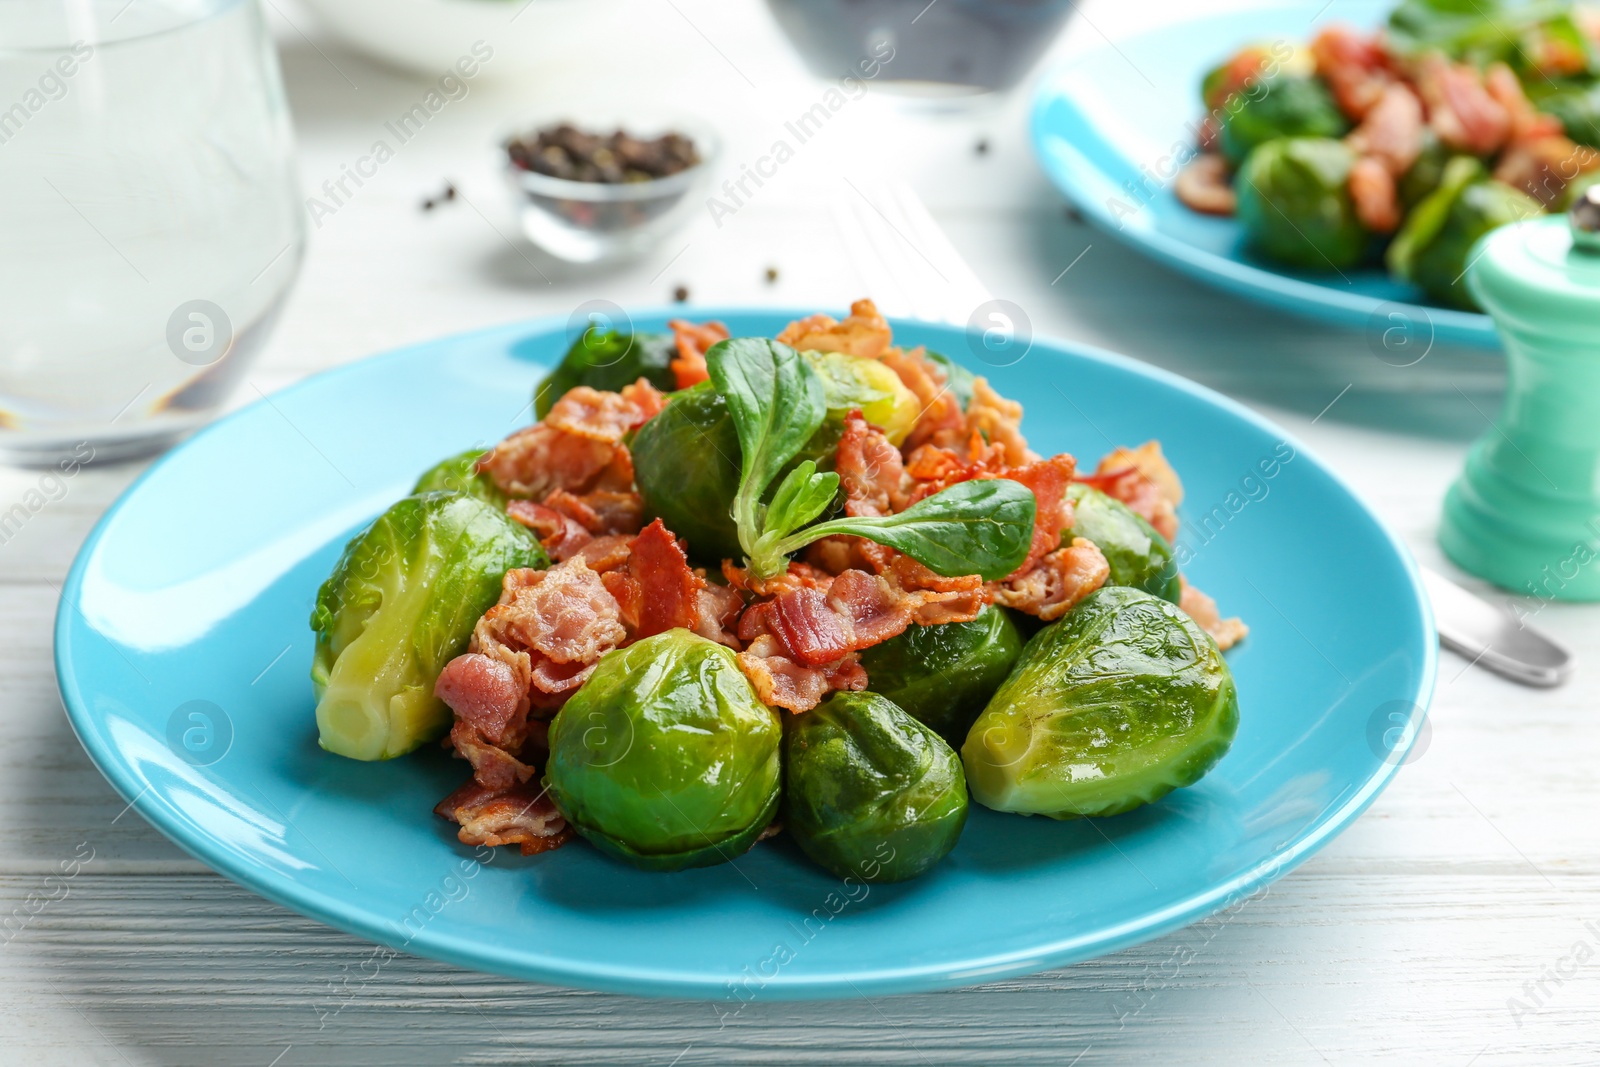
x=1470 y=888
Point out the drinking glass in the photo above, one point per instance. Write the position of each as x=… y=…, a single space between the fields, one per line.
x=151 y=219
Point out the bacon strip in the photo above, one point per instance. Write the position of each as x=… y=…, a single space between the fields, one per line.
x=1143 y=479
x=656 y=590
x=1203 y=610
x=870 y=469
x=1053 y=585
x=578 y=445
x=1460 y=108
x=864 y=333
x=518 y=815
x=693 y=341
x=1354 y=66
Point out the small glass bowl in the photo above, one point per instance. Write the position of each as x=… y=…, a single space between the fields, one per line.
x=597 y=222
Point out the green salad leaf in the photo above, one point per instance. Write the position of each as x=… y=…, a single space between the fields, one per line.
x=777 y=402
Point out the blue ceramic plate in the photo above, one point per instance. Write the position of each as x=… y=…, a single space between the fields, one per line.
x=182 y=649
x=1105 y=129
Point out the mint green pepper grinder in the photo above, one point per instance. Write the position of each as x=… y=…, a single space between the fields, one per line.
x=1525 y=514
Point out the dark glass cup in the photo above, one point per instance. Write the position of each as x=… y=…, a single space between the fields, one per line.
x=947 y=48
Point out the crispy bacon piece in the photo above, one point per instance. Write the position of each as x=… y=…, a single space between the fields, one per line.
x=940 y=409
x=718 y=613
x=1051 y=586
x=998 y=421
x=577 y=447
x=605 y=553
x=1143 y=479
x=493 y=765
x=780 y=682
x=561 y=535
x=518 y=815
x=656 y=590
x=863 y=333
x=565 y=614
x=1460 y=108
x=1203 y=610
x=1374 y=194
x=693 y=340
x=484 y=692
x=1206 y=186
x=1355 y=67
x=1392 y=131
x=870 y=469
x=1527 y=121
x=1543 y=167
x=1048 y=479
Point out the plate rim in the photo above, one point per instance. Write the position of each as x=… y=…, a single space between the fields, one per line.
x=1297 y=296
x=344 y=915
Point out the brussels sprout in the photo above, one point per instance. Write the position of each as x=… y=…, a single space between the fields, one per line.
x=853 y=382
x=460 y=474
x=1426 y=172
x=608 y=359
x=400 y=604
x=1286 y=106
x=942 y=676
x=1139 y=556
x=1120 y=702
x=1433 y=244
x=1294 y=204
x=958 y=378
x=665 y=758
x=686 y=459
x=869 y=792
x=1578 y=108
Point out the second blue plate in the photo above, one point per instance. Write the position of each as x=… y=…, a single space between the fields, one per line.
x=1109 y=127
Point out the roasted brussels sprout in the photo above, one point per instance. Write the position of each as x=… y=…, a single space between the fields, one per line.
x=942 y=676
x=460 y=474
x=1139 y=556
x=1578 y=108
x=686 y=459
x=665 y=758
x=869 y=792
x=1290 y=105
x=609 y=359
x=852 y=382
x=1433 y=244
x=400 y=604
x=1294 y=204
x=1120 y=702
x=1426 y=172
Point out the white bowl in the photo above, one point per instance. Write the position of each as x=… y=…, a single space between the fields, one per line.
x=431 y=36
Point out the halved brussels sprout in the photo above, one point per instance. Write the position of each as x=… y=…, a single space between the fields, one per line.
x=853 y=382
x=400 y=604
x=686 y=459
x=869 y=792
x=1289 y=105
x=1294 y=204
x=942 y=676
x=460 y=474
x=1120 y=702
x=1139 y=556
x=608 y=360
x=1436 y=239
x=665 y=758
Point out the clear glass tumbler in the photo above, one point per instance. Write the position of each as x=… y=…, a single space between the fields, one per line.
x=150 y=217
